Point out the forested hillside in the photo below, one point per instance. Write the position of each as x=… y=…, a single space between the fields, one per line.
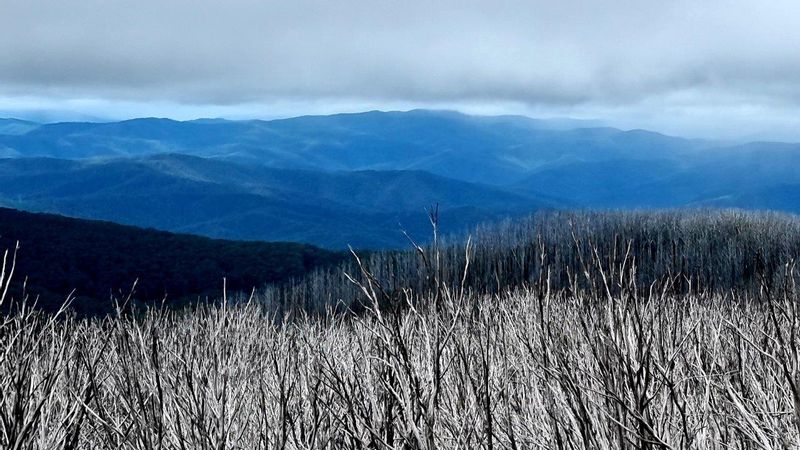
x=226 y=200
x=100 y=261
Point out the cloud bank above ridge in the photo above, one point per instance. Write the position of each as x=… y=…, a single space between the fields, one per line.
x=673 y=64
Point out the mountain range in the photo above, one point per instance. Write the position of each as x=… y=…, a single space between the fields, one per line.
x=360 y=179
x=364 y=209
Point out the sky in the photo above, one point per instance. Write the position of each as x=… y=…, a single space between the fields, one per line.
x=709 y=68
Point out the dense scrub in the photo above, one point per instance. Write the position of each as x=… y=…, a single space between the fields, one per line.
x=618 y=368
x=613 y=353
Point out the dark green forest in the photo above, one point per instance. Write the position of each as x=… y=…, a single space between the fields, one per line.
x=100 y=261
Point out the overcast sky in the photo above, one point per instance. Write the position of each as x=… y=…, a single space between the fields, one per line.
x=725 y=68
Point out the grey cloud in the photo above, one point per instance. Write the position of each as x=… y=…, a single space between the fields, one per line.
x=538 y=53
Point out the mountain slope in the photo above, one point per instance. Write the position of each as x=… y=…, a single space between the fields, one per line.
x=227 y=200
x=17 y=126
x=491 y=150
x=101 y=260
x=368 y=171
x=752 y=176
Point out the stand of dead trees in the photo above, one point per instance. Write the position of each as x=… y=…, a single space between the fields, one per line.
x=712 y=251
x=597 y=346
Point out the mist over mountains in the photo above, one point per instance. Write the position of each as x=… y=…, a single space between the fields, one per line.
x=359 y=179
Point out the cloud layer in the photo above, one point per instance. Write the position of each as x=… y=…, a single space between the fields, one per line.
x=645 y=57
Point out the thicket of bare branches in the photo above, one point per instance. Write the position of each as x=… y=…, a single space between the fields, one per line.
x=590 y=357
x=712 y=250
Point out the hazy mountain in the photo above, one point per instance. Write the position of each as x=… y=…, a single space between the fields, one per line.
x=229 y=200
x=13 y=127
x=752 y=176
x=491 y=150
x=16 y=126
x=363 y=173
